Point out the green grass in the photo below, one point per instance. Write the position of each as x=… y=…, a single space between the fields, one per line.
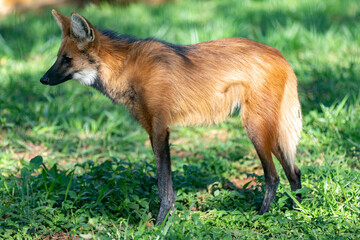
x=96 y=177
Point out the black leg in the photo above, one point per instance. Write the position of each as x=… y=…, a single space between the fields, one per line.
x=292 y=172
x=271 y=180
x=167 y=195
x=271 y=186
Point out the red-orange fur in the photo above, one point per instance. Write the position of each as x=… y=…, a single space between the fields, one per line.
x=202 y=84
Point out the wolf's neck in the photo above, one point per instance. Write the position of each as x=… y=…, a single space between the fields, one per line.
x=99 y=85
x=110 y=78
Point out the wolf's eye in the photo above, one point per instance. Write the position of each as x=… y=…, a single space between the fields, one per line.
x=66 y=59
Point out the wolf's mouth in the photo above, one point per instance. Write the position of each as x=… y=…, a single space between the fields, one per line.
x=46 y=80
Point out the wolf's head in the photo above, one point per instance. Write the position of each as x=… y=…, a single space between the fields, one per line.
x=77 y=58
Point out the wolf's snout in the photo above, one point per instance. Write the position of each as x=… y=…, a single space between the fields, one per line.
x=45 y=80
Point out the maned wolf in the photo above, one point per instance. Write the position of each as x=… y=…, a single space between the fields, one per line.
x=164 y=84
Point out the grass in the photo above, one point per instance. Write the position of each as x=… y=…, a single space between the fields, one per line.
x=74 y=164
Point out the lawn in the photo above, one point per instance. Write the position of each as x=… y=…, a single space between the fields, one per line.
x=73 y=164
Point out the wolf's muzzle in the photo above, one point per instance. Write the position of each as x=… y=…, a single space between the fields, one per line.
x=45 y=80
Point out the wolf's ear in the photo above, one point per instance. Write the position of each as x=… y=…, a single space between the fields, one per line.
x=63 y=22
x=81 y=29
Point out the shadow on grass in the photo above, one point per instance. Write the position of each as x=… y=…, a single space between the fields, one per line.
x=313 y=16
x=112 y=189
x=328 y=85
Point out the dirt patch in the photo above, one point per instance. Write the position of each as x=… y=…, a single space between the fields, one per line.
x=239 y=183
x=33 y=151
x=207 y=138
x=60 y=236
x=217 y=134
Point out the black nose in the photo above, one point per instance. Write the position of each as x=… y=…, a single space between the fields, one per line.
x=45 y=80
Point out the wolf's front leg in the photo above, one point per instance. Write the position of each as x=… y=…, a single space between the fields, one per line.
x=160 y=144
